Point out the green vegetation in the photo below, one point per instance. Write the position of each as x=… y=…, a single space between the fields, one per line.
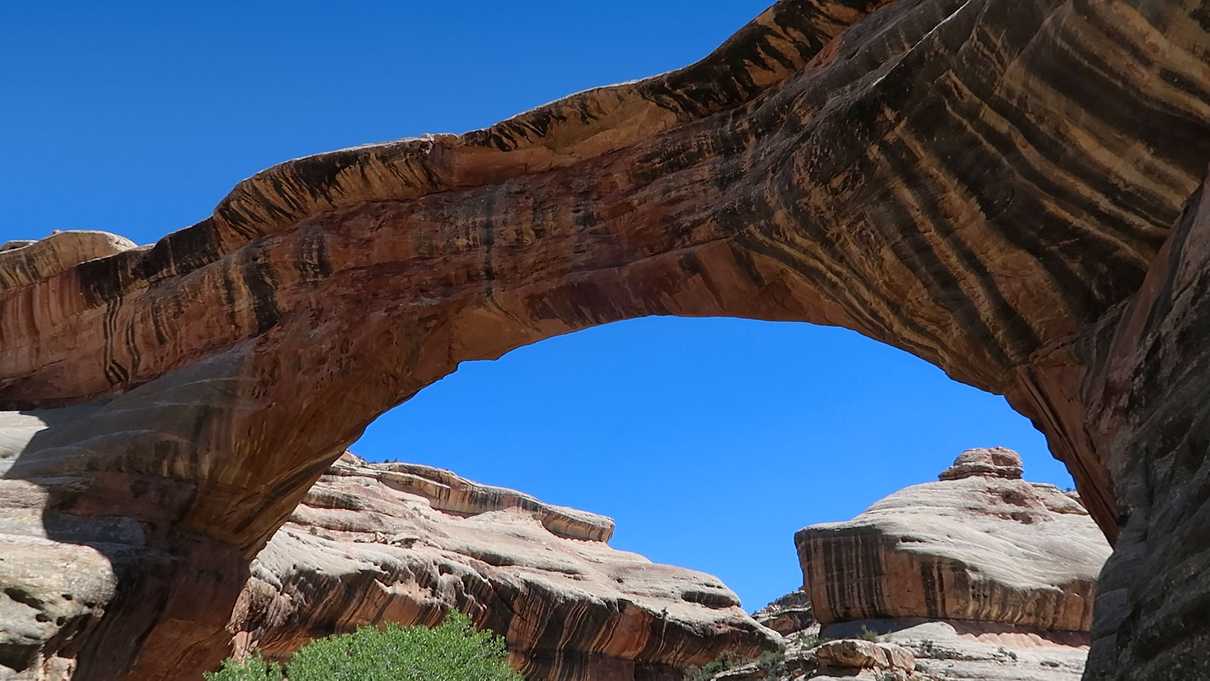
x=251 y=669
x=711 y=669
x=868 y=635
x=454 y=651
x=772 y=662
x=809 y=640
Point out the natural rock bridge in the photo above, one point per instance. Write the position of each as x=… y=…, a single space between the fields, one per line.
x=1009 y=190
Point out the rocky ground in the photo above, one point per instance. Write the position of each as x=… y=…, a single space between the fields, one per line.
x=921 y=651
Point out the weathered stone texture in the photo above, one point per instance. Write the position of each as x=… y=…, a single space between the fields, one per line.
x=984 y=548
x=995 y=186
x=403 y=543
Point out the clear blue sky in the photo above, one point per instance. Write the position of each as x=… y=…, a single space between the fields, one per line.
x=710 y=441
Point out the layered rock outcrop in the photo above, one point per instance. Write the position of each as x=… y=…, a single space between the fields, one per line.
x=403 y=543
x=920 y=650
x=789 y=614
x=980 y=545
x=1005 y=189
x=29 y=261
x=978 y=577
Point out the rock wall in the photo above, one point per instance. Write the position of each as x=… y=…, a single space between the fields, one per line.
x=1145 y=407
x=980 y=545
x=402 y=543
x=995 y=186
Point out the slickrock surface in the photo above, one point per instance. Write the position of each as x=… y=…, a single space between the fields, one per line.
x=403 y=543
x=1006 y=189
x=974 y=546
x=960 y=651
x=938 y=651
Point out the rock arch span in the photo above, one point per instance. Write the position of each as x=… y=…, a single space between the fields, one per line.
x=1006 y=189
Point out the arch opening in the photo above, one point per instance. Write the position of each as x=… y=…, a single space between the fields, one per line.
x=896 y=181
x=709 y=441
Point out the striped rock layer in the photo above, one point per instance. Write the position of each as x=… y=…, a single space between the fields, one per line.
x=980 y=548
x=394 y=542
x=996 y=186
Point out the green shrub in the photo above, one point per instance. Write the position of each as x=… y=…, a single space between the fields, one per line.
x=772 y=662
x=454 y=651
x=250 y=669
x=712 y=669
x=868 y=635
x=809 y=640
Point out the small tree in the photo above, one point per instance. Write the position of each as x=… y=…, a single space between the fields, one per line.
x=454 y=651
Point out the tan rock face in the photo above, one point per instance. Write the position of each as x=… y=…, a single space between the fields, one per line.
x=850 y=654
x=994 y=186
x=980 y=548
x=788 y=614
x=375 y=543
x=993 y=462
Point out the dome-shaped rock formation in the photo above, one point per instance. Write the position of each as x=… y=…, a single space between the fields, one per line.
x=979 y=545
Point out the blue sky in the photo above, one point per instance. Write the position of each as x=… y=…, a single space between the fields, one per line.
x=709 y=441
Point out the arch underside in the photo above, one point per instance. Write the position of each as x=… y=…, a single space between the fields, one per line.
x=1005 y=189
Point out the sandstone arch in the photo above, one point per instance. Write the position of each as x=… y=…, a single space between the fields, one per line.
x=994 y=186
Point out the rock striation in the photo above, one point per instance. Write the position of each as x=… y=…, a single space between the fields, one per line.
x=980 y=576
x=27 y=262
x=985 y=462
x=1011 y=191
x=405 y=543
x=979 y=545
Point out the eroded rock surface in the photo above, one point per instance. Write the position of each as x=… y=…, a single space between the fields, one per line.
x=985 y=462
x=787 y=614
x=998 y=187
x=999 y=603
x=404 y=543
x=26 y=262
x=980 y=546
x=922 y=650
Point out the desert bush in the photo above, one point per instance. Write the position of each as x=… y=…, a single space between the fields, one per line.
x=711 y=669
x=453 y=651
x=249 y=669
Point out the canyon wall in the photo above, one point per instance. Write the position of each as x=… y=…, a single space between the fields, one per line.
x=1005 y=189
